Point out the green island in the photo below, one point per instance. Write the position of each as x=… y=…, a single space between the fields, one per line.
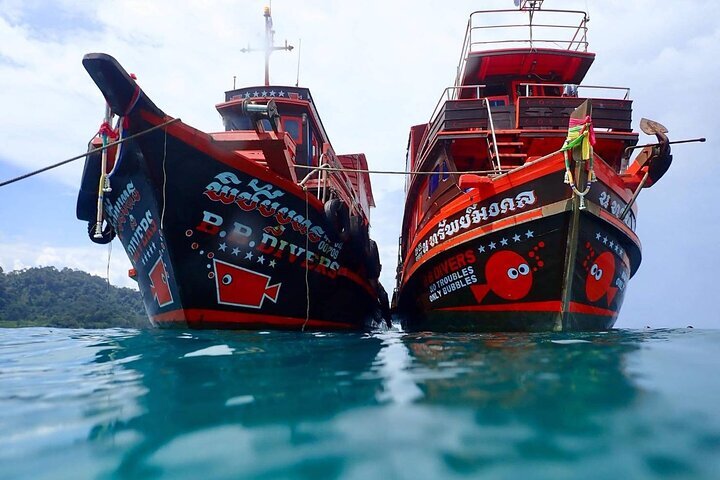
x=48 y=297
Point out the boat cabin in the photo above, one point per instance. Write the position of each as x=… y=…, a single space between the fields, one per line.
x=308 y=145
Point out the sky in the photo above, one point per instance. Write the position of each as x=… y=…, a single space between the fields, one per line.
x=375 y=68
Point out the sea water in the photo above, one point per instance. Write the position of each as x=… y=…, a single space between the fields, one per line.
x=227 y=404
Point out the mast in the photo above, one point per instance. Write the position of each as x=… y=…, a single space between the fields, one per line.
x=269 y=43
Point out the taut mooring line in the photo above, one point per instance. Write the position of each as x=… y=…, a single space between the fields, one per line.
x=83 y=155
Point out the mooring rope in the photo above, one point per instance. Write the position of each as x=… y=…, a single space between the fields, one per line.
x=307 y=258
x=83 y=155
x=162 y=215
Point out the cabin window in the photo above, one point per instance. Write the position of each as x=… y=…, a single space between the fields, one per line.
x=235 y=121
x=293 y=126
x=498 y=101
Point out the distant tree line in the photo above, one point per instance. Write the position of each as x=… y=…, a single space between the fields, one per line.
x=49 y=297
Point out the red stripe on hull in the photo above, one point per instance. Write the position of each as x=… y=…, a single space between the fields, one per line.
x=589 y=309
x=204 y=143
x=549 y=306
x=235 y=319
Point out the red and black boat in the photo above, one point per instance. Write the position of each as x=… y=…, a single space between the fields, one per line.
x=257 y=226
x=520 y=212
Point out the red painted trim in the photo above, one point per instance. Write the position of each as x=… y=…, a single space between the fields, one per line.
x=500 y=184
x=612 y=219
x=197 y=315
x=354 y=277
x=547 y=306
x=471 y=235
x=204 y=143
x=590 y=310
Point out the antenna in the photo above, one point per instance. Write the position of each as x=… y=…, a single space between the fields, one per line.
x=297 y=80
x=269 y=44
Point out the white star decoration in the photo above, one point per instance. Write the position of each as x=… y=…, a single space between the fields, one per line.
x=281 y=93
x=272 y=263
x=272 y=93
x=614 y=246
x=222 y=246
x=236 y=251
x=261 y=260
x=505 y=241
x=249 y=255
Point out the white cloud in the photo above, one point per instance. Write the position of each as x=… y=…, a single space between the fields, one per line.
x=375 y=68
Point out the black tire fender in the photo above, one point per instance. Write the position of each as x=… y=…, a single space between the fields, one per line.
x=336 y=214
x=107 y=233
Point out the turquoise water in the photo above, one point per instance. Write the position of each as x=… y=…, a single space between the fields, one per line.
x=172 y=404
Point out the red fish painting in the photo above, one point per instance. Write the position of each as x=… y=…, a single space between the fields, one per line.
x=242 y=287
x=600 y=277
x=507 y=274
x=160 y=284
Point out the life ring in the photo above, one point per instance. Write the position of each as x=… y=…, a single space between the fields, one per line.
x=108 y=233
x=372 y=262
x=336 y=214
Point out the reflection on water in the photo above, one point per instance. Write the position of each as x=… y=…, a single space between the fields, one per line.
x=552 y=381
x=171 y=404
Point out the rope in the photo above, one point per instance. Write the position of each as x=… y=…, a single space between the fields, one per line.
x=83 y=155
x=307 y=257
x=580 y=135
x=396 y=172
x=107 y=270
x=162 y=215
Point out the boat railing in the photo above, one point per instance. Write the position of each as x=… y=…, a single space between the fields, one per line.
x=497 y=165
x=450 y=93
x=575 y=90
x=494 y=29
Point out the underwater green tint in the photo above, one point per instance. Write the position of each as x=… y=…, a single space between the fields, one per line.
x=222 y=404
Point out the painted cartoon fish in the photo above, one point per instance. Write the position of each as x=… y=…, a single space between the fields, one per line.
x=159 y=284
x=508 y=275
x=242 y=287
x=600 y=277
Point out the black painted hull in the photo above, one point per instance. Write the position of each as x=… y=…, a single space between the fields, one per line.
x=550 y=267
x=216 y=239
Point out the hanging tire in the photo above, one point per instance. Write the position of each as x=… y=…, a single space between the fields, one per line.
x=384 y=306
x=336 y=214
x=107 y=233
x=373 y=260
x=359 y=236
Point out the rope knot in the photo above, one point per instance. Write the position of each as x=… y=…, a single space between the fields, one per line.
x=107 y=130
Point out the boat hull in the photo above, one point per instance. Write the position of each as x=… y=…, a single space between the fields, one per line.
x=548 y=267
x=214 y=246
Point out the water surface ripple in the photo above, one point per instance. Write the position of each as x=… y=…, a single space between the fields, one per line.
x=117 y=404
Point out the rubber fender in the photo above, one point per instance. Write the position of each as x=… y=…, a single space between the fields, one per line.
x=373 y=260
x=108 y=233
x=359 y=236
x=336 y=214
